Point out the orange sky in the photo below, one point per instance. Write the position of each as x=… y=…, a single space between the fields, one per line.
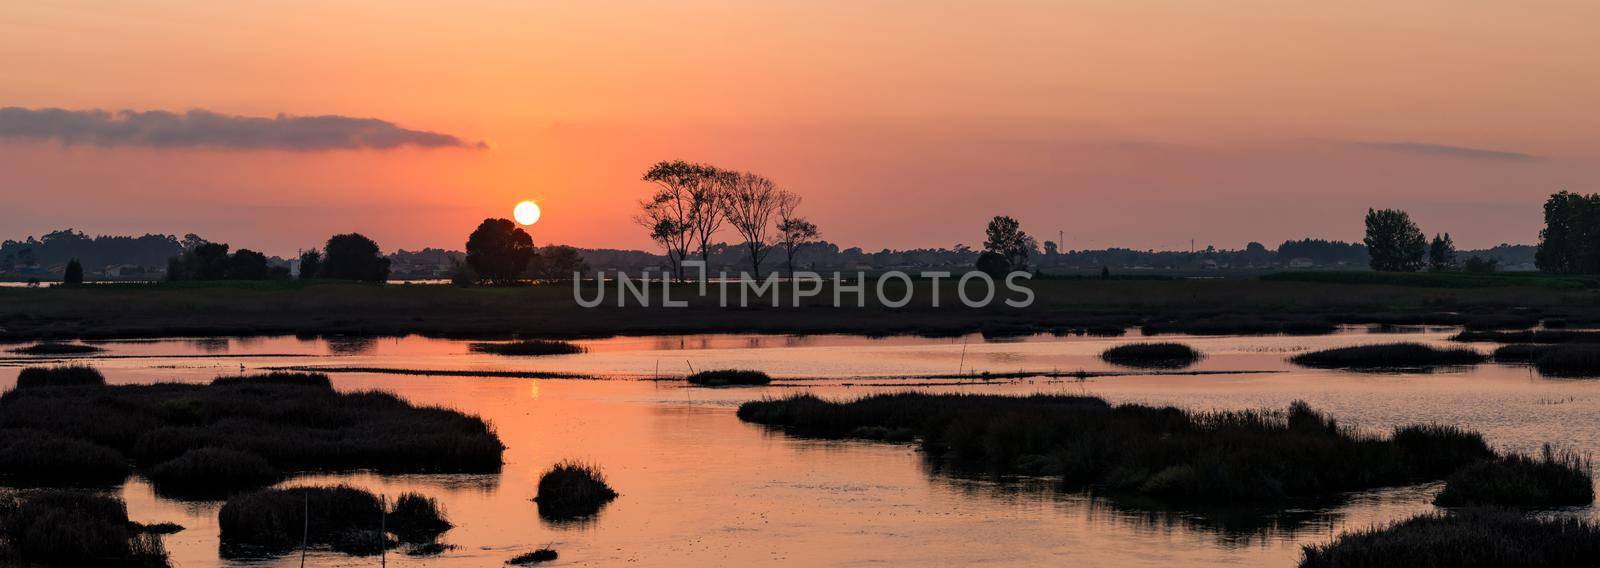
x=1121 y=122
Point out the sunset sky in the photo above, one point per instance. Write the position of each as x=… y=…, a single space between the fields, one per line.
x=903 y=123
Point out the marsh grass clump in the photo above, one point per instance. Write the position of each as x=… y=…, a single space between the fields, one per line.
x=1142 y=452
x=1151 y=355
x=56 y=348
x=292 y=427
x=535 y=557
x=341 y=518
x=33 y=457
x=1481 y=538
x=1240 y=326
x=729 y=378
x=211 y=471
x=572 y=489
x=527 y=347
x=1520 y=352
x=313 y=380
x=1528 y=336
x=69 y=528
x=1569 y=361
x=1553 y=479
x=417 y=518
x=62 y=376
x=1387 y=356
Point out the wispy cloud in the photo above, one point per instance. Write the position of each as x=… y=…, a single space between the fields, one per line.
x=1448 y=151
x=203 y=128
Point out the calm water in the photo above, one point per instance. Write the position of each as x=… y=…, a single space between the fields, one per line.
x=700 y=487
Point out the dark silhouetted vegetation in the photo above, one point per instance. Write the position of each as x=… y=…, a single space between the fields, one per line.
x=1441 y=253
x=729 y=378
x=1394 y=243
x=310 y=264
x=572 y=489
x=1241 y=326
x=313 y=380
x=1464 y=539
x=1572 y=360
x=1520 y=352
x=1555 y=478
x=1151 y=355
x=63 y=376
x=33 y=457
x=1571 y=224
x=1161 y=453
x=53 y=348
x=557 y=263
x=353 y=256
x=202 y=260
x=205 y=472
x=499 y=251
x=291 y=425
x=342 y=518
x=535 y=557
x=1529 y=336
x=527 y=347
x=74 y=529
x=1005 y=237
x=1387 y=356
x=73 y=275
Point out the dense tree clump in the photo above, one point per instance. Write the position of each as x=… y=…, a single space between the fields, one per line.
x=1394 y=243
x=353 y=256
x=1571 y=225
x=499 y=251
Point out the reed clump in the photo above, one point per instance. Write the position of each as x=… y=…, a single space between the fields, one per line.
x=1387 y=356
x=211 y=471
x=71 y=528
x=34 y=457
x=529 y=347
x=572 y=489
x=62 y=376
x=1569 y=361
x=291 y=426
x=341 y=518
x=1151 y=355
x=1552 y=479
x=1163 y=453
x=1473 y=538
x=729 y=378
x=57 y=348
x=535 y=557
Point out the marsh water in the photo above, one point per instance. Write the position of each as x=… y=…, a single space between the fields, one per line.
x=699 y=487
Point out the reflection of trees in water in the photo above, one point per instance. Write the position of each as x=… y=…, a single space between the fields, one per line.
x=1233 y=526
x=209 y=344
x=350 y=344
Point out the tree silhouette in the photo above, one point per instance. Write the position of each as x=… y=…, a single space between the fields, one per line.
x=1394 y=243
x=353 y=256
x=1441 y=253
x=795 y=232
x=993 y=264
x=1006 y=238
x=749 y=202
x=310 y=264
x=246 y=264
x=676 y=214
x=557 y=264
x=499 y=251
x=74 y=273
x=1571 y=225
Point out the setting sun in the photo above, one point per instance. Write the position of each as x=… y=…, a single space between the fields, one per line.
x=526 y=213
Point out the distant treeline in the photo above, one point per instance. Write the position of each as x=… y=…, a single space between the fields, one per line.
x=148 y=257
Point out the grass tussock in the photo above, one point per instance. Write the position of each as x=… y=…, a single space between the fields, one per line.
x=69 y=528
x=1151 y=355
x=63 y=376
x=312 y=380
x=1528 y=336
x=531 y=558
x=292 y=427
x=528 y=347
x=729 y=378
x=1387 y=356
x=1162 y=453
x=341 y=518
x=1520 y=352
x=1569 y=361
x=1463 y=539
x=1553 y=479
x=33 y=457
x=1241 y=326
x=211 y=471
x=55 y=348
x=572 y=489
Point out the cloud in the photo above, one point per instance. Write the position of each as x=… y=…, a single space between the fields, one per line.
x=1448 y=151
x=203 y=128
